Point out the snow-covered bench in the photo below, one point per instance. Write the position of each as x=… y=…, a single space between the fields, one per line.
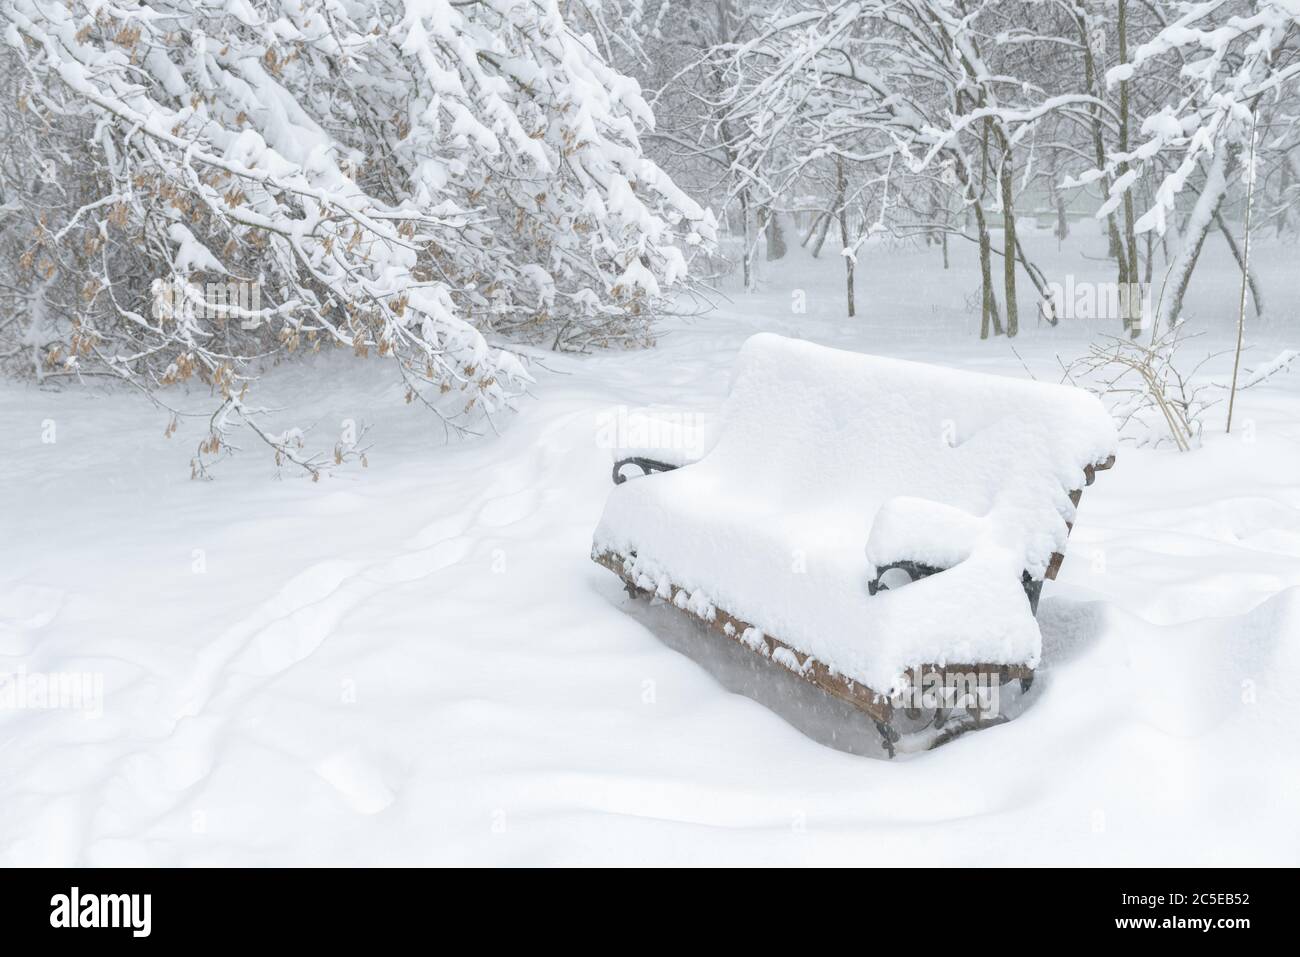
x=832 y=479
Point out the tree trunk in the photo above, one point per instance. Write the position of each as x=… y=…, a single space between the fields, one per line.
x=812 y=229
x=1198 y=226
x=1058 y=201
x=1116 y=248
x=1009 y=238
x=933 y=233
x=1130 y=240
x=841 y=195
x=775 y=235
x=1150 y=257
x=827 y=218
x=1284 y=187
x=1251 y=279
x=989 y=302
x=989 y=306
x=1040 y=284
x=747 y=265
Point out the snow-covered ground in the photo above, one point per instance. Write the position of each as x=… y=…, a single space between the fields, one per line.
x=418 y=662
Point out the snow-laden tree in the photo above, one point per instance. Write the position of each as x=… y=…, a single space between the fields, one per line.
x=421 y=180
x=1229 y=71
x=679 y=51
x=898 y=97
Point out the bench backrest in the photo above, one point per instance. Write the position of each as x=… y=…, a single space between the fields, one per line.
x=845 y=431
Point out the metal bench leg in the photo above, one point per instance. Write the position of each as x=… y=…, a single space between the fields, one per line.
x=888 y=736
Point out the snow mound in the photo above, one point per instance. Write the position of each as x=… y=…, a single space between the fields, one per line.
x=829 y=464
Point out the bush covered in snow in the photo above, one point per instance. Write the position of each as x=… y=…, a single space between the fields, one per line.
x=417 y=180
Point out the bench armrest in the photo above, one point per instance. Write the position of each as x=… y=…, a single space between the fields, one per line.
x=917 y=570
x=646 y=465
x=656 y=439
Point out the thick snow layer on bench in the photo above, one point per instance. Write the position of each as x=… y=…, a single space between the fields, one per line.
x=828 y=464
